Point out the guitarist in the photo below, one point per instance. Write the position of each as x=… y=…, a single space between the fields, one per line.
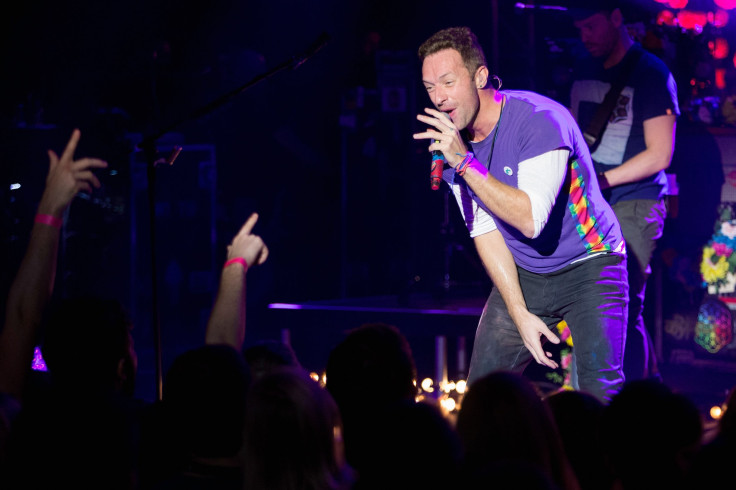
x=625 y=100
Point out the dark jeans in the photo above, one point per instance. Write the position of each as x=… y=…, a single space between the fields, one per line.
x=642 y=222
x=591 y=296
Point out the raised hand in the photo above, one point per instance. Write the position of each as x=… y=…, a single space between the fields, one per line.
x=67 y=177
x=248 y=246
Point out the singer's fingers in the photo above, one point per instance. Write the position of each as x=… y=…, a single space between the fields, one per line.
x=433 y=121
x=430 y=134
x=442 y=116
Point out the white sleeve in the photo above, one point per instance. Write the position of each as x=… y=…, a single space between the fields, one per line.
x=541 y=178
x=476 y=216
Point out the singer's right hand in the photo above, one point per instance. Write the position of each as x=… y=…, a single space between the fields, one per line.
x=445 y=137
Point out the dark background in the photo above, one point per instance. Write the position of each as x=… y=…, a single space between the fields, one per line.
x=322 y=152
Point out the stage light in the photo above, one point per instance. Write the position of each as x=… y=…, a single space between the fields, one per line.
x=427 y=385
x=38 y=364
x=716 y=412
x=719 y=48
x=719 y=18
x=714 y=328
x=666 y=18
x=461 y=386
x=720 y=78
x=691 y=20
x=448 y=404
x=677 y=4
x=725 y=4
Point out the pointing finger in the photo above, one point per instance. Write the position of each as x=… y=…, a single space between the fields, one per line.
x=249 y=224
x=71 y=146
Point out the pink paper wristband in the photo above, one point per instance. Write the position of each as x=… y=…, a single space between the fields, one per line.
x=47 y=219
x=237 y=260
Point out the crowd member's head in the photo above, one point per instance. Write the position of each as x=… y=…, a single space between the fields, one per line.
x=651 y=434
x=373 y=358
x=504 y=419
x=578 y=416
x=267 y=355
x=293 y=434
x=204 y=396
x=88 y=343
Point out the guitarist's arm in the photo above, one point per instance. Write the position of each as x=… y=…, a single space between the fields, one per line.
x=659 y=136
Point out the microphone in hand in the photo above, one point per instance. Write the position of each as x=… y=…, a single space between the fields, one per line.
x=435 y=175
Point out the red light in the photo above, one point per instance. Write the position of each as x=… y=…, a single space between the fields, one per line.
x=720 y=18
x=692 y=20
x=721 y=78
x=718 y=48
x=677 y=4
x=666 y=17
x=725 y=4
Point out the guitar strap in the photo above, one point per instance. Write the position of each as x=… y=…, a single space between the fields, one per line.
x=600 y=119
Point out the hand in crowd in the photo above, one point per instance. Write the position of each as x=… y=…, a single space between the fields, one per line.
x=67 y=177
x=247 y=245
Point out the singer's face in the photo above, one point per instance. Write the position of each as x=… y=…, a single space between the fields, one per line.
x=451 y=87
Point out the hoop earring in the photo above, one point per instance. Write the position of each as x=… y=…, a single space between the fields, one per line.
x=498 y=81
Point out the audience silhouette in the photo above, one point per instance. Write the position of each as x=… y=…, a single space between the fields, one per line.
x=234 y=418
x=504 y=419
x=651 y=436
x=293 y=435
x=371 y=374
x=578 y=416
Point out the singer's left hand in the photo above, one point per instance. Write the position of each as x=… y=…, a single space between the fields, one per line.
x=445 y=136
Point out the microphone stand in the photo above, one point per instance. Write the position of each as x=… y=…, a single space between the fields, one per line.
x=153 y=159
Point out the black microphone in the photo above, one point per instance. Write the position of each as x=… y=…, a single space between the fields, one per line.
x=435 y=175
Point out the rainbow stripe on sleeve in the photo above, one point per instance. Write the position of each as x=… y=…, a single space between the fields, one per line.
x=579 y=206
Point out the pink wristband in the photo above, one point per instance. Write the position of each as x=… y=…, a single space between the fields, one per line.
x=237 y=260
x=47 y=219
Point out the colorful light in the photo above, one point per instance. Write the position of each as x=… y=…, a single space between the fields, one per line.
x=725 y=4
x=720 y=75
x=666 y=18
x=714 y=328
x=38 y=364
x=691 y=20
x=677 y=4
x=719 y=18
x=718 y=48
x=716 y=412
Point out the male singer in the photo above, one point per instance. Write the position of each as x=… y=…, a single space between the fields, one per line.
x=524 y=182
